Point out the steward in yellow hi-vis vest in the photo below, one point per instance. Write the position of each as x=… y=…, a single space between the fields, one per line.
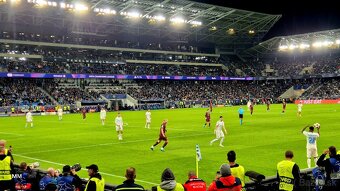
x=288 y=173
x=96 y=181
x=6 y=164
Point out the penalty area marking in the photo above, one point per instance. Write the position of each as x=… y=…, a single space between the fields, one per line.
x=106 y=144
x=60 y=164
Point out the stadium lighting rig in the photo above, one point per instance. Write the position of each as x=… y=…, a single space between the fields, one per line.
x=285 y=45
x=132 y=14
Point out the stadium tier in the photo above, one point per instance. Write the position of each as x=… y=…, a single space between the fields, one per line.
x=70 y=57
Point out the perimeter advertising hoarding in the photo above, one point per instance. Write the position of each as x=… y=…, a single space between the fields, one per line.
x=319 y=101
x=117 y=76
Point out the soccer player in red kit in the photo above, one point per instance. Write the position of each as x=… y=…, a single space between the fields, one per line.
x=251 y=107
x=162 y=136
x=284 y=104
x=207 y=118
x=83 y=111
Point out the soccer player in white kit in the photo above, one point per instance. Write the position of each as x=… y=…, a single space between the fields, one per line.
x=29 y=118
x=103 y=115
x=219 y=132
x=60 y=113
x=299 y=111
x=312 y=150
x=119 y=126
x=148 y=119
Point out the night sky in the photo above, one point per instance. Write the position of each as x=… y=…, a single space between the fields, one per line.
x=305 y=17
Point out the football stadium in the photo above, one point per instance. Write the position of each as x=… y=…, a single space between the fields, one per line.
x=164 y=95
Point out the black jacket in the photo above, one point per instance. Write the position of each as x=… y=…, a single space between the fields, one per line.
x=129 y=185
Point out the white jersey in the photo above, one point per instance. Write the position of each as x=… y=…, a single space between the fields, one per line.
x=29 y=117
x=148 y=116
x=60 y=112
x=299 y=107
x=311 y=139
x=219 y=129
x=119 y=121
x=103 y=114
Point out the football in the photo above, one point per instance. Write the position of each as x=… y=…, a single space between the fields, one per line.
x=316 y=125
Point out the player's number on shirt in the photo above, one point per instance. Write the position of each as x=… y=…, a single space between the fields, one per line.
x=311 y=140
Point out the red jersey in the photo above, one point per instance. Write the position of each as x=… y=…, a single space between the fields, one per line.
x=162 y=131
x=207 y=116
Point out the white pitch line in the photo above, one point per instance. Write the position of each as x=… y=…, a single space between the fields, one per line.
x=16 y=134
x=106 y=144
x=60 y=164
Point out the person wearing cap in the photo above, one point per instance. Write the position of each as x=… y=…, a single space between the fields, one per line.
x=226 y=182
x=236 y=169
x=96 y=181
x=129 y=183
x=168 y=182
x=288 y=173
x=69 y=180
x=6 y=166
x=194 y=183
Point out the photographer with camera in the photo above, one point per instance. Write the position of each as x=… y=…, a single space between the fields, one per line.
x=69 y=180
x=25 y=178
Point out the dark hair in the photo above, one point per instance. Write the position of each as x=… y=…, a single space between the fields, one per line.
x=289 y=154
x=332 y=151
x=311 y=128
x=221 y=117
x=130 y=173
x=231 y=156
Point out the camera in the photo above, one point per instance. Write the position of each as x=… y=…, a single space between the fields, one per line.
x=35 y=165
x=76 y=167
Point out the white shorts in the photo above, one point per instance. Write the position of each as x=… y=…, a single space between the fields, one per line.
x=299 y=110
x=102 y=118
x=219 y=134
x=312 y=152
x=148 y=120
x=119 y=127
x=60 y=114
x=29 y=121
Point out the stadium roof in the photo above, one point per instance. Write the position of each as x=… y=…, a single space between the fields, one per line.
x=296 y=43
x=227 y=27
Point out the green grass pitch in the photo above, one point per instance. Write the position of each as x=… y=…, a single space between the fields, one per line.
x=259 y=143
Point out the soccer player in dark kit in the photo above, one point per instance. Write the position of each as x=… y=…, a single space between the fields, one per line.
x=162 y=136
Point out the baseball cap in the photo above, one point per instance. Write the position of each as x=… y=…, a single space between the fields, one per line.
x=93 y=167
x=225 y=170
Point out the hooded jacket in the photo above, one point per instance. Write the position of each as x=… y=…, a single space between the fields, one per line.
x=168 y=182
x=226 y=183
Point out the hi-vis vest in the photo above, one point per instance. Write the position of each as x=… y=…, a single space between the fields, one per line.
x=100 y=184
x=178 y=187
x=5 y=168
x=285 y=171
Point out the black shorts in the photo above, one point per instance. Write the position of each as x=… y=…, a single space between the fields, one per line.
x=240 y=116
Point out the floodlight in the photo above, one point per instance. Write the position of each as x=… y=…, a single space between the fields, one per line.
x=80 y=7
x=231 y=31
x=159 y=18
x=213 y=28
x=177 y=20
x=304 y=46
x=196 y=23
x=337 y=41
